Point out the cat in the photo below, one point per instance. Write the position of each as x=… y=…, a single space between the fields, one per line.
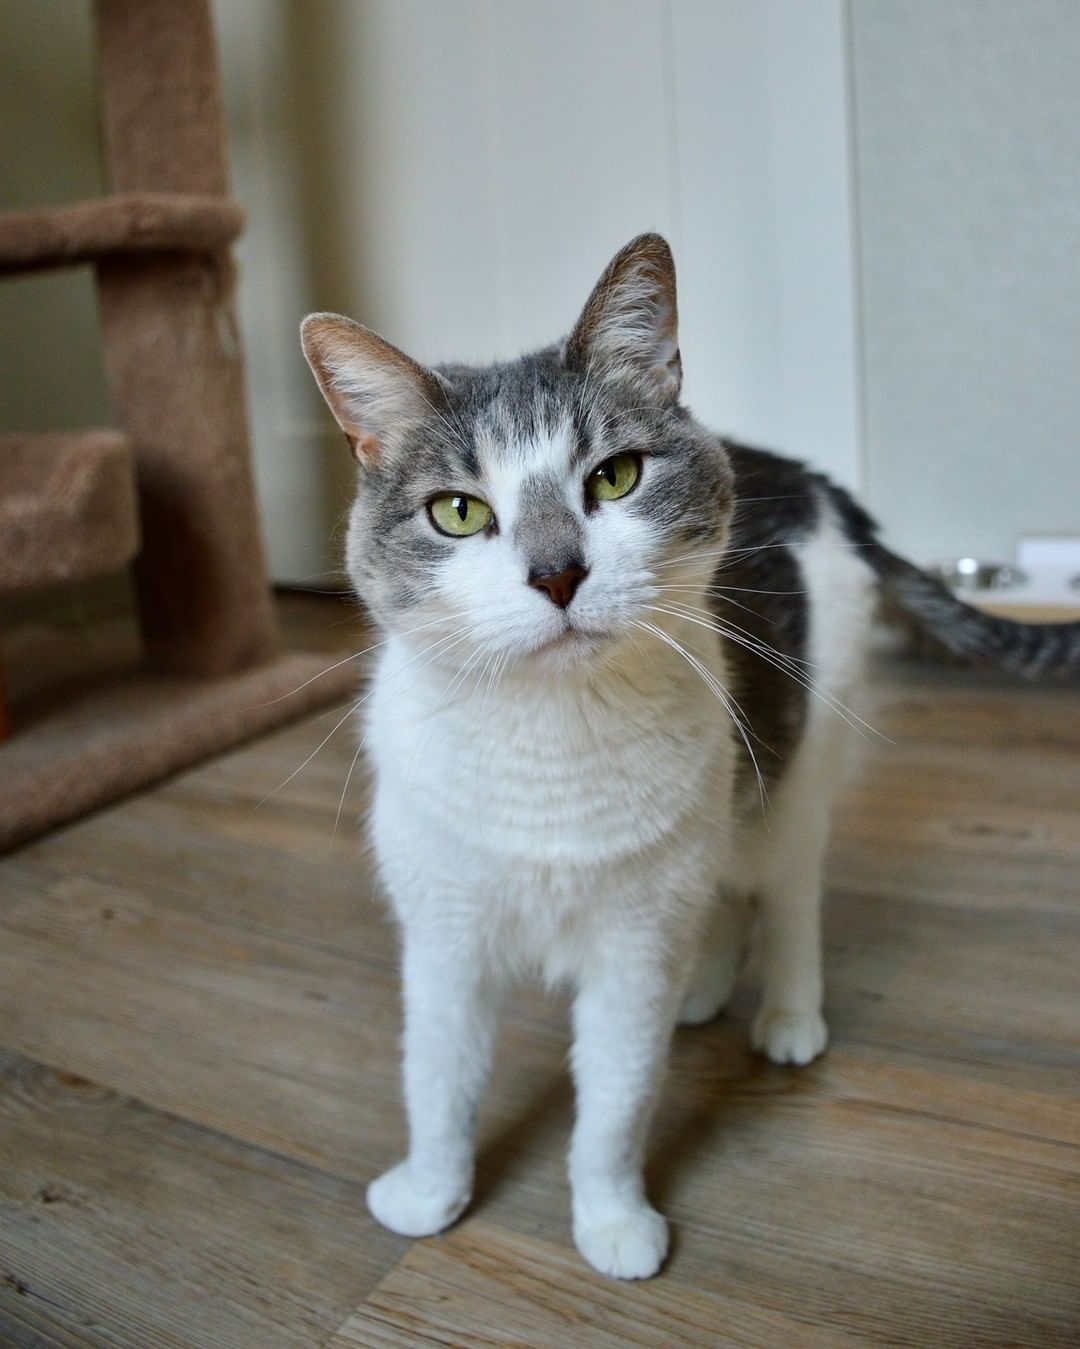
x=607 y=719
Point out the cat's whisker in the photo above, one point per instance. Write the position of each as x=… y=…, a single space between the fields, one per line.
x=763 y=547
x=720 y=626
x=318 y=576
x=723 y=694
x=748 y=590
x=360 y=744
x=713 y=618
x=723 y=590
x=746 y=720
x=355 y=655
x=712 y=555
x=500 y=672
x=461 y=635
x=444 y=701
x=499 y=661
x=784 y=496
x=797 y=668
x=635 y=643
x=459 y=677
x=463 y=675
x=778 y=660
x=705 y=555
x=352 y=618
x=337 y=726
x=497 y=670
x=698 y=590
x=784 y=664
x=714 y=685
x=355 y=706
x=478 y=682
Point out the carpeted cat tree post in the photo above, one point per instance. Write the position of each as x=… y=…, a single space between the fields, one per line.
x=172 y=489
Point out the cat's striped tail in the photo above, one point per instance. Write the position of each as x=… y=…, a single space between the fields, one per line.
x=1033 y=650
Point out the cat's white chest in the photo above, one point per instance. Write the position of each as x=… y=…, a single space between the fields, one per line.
x=558 y=775
x=540 y=804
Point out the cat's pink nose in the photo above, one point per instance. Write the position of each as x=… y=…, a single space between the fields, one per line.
x=559 y=586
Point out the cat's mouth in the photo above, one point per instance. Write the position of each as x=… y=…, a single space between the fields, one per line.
x=570 y=639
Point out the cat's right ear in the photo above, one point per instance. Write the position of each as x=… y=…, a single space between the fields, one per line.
x=629 y=329
x=372 y=388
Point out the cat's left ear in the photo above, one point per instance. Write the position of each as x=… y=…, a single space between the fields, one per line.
x=628 y=331
x=374 y=390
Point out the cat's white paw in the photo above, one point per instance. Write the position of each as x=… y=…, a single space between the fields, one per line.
x=630 y=1243
x=411 y=1210
x=789 y=1037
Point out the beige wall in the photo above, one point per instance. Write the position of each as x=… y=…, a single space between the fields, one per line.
x=51 y=375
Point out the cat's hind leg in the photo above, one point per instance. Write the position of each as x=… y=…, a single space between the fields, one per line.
x=719 y=957
x=790 y=1025
x=788 y=855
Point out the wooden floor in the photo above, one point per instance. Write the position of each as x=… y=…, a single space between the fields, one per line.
x=199 y=1026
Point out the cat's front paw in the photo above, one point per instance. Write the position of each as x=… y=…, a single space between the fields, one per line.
x=412 y=1210
x=789 y=1037
x=629 y=1243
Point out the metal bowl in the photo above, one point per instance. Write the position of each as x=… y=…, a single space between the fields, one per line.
x=972 y=573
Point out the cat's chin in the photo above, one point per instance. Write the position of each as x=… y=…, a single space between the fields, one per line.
x=570 y=648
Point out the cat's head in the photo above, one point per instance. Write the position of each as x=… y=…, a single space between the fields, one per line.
x=529 y=510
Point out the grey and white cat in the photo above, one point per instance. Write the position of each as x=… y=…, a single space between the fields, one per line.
x=607 y=720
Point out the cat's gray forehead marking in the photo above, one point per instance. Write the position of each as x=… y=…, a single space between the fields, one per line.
x=546 y=531
x=509 y=407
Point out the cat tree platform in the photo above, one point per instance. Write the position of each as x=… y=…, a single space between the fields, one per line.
x=127 y=222
x=99 y=725
x=68 y=507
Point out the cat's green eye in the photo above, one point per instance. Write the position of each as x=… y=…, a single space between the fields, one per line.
x=459 y=515
x=613 y=478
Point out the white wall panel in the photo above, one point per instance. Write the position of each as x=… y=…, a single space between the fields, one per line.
x=580 y=137
x=763 y=171
x=967 y=122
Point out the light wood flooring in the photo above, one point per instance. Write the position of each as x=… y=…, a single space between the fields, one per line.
x=198 y=1074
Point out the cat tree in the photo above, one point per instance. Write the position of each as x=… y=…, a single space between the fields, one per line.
x=171 y=489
